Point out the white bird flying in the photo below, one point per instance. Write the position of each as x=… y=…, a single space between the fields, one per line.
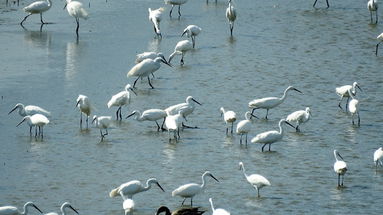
x=174 y=123
x=186 y=108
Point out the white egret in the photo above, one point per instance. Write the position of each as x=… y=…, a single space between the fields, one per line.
x=380 y=38
x=270 y=102
x=192 y=31
x=270 y=137
x=84 y=105
x=181 y=211
x=372 y=6
x=353 y=107
x=149 y=55
x=145 y=68
x=185 y=108
x=174 y=123
x=229 y=117
x=340 y=167
x=342 y=91
x=102 y=122
x=181 y=48
x=244 y=126
x=150 y=115
x=121 y=99
x=299 y=117
x=37 y=120
x=155 y=17
x=316 y=3
x=231 y=15
x=192 y=189
x=128 y=205
x=218 y=211
x=378 y=155
x=257 y=181
x=175 y=2
x=76 y=10
x=37 y=7
x=11 y=210
x=62 y=209
x=30 y=110
x=128 y=189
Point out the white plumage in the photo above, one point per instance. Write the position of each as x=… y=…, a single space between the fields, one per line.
x=128 y=189
x=231 y=15
x=174 y=123
x=185 y=108
x=257 y=181
x=218 y=211
x=150 y=115
x=11 y=210
x=340 y=167
x=181 y=48
x=102 y=122
x=380 y=39
x=85 y=107
x=128 y=205
x=37 y=7
x=269 y=102
x=372 y=6
x=62 y=209
x=229 y=117
x=299 y=117
x=192 y=31
x=342 y=91
x=175 y=2
x=155 y=16
x=76 y=10
x=37 y=120
x=148 y=55
x=30 y=110
x=244 y=126
x=378 y=155
x=270 y=137
x=353 y=107
x=192 y=189
x=121 y=99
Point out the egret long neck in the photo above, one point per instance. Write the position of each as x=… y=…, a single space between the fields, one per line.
x=148 y=185
x=203 y=181
x=244 y=171
x=284 y=95
x=25 y=209
x=280 y=127
x=335 y=155
x=49 y=3
x=138 y=116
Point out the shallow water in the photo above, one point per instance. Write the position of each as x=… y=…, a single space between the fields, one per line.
x=276 y=44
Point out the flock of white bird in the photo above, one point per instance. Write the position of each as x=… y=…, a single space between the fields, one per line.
x=174 y=116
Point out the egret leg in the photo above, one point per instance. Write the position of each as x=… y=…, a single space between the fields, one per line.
x=327 y=4
x=150 y=83
x=178 y=133
x=183 y=201
x=78 y=25
x=87 y=120
x=134 y=84
x=25 y=18
x=186 y=126
x=30 y=131
x=342 y=180
x=264 y=146
x=231 y=28
x=179 y=10
x=252 y=112
x=358 y=118
x=352 y=117
x=36 y=131
x=182 y=59
x=232 y=125
x=41 y=18
x=348 y=99
x=171 y=10
x=117 y=112
x=338 y=180
x=191 y=202
x=162 y=126
x=269 y=146
x=246 y=139
x=376 y=13
x=376 y=50
x=371 y=16
x=80 y=120
x=339 y=105
x=315 y=3
x=227 y=130
x=120 y=113
x=267 y=113
x=42 y=132
x=193 y=40
x=240 y=140
x=297 y=129
x=158 y=126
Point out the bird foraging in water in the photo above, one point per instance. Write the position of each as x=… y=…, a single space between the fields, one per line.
x=121 y=99
x=76 y=11
x=150 y=115
x=37 y=7
x=185 y=108
x=353 y=107
x=181 y=48
x=257 y=181
x=378 y=155
x=218 y=211
x=192 y=189
x=270 y=137
x=11 y=210
x=270 y=102
x=229 y=117
x=83 y=104
x=299 y=117
x=192 y=31
x=62 y=209
x=29 y=110
x=155 y=16
x=340 y=167
x=342 y=91
x=128 y=189
x=174 y=123
x=244 y=126
x=102 y=122
x=181 y=211
x=37 y=120
x=372 y=6
x=231 y=15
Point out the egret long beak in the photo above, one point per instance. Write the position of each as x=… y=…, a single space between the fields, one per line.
x=77 y=103
x=65 y=6
x=289 y=124
x=196 y=101
x=133 y=91
x=183 y=33
x=165 y=62
x=20 y=122
x=37 y=208
x=73 y=209
x=130 y=115
x=359 y=87
x=214 y=177
x=158 y=184
x=340 y=156
x=297 y=90
x=12 y=110
x=94 y=120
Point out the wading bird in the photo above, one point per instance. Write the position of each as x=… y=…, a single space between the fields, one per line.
x=62 y=209
x=155 y=17
x=145 y=68
x=218 y=211
x=37 y=120
x=380 y=39
x=37 y=7
x=378 y=155
x=340 y=167
x=150 y=115
x=30 y=110
x=128 y=189
x=85 y=107
x=229 y=117
x=353 y=107
x=270 y=137
x=316 y=3
x=181 y=48
x=192 y=31
x=185 y=108
x=269 y=102
x=121 y=99
x=231 y=15
x=257 y=181
x=342 y=91
x=372 y=6
x=174 y=123
x=76 y=11
x=128 y=206
x=102 y=122
x=149 y=55
x=192 y=189
x=244 y=126
x=175 y=2
x=299 y=117
x=11 y=210
x=181 y=211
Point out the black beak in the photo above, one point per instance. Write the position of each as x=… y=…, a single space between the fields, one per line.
x=214 y=177
x=196 y=102
x=73 y=209
x=289 y=124
x=77 y=103
x=158 y=184
x=340 y=156
x=64 y=6
x=12 y=110
x=359 y=87
x=376 y=51
x=94 y=120
x=165 y=62
x=130 y=115
x=183 y=33
x=133 y=91
x=37 y=208
x=252 y=115
x=20 y=123
x=297 y=90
